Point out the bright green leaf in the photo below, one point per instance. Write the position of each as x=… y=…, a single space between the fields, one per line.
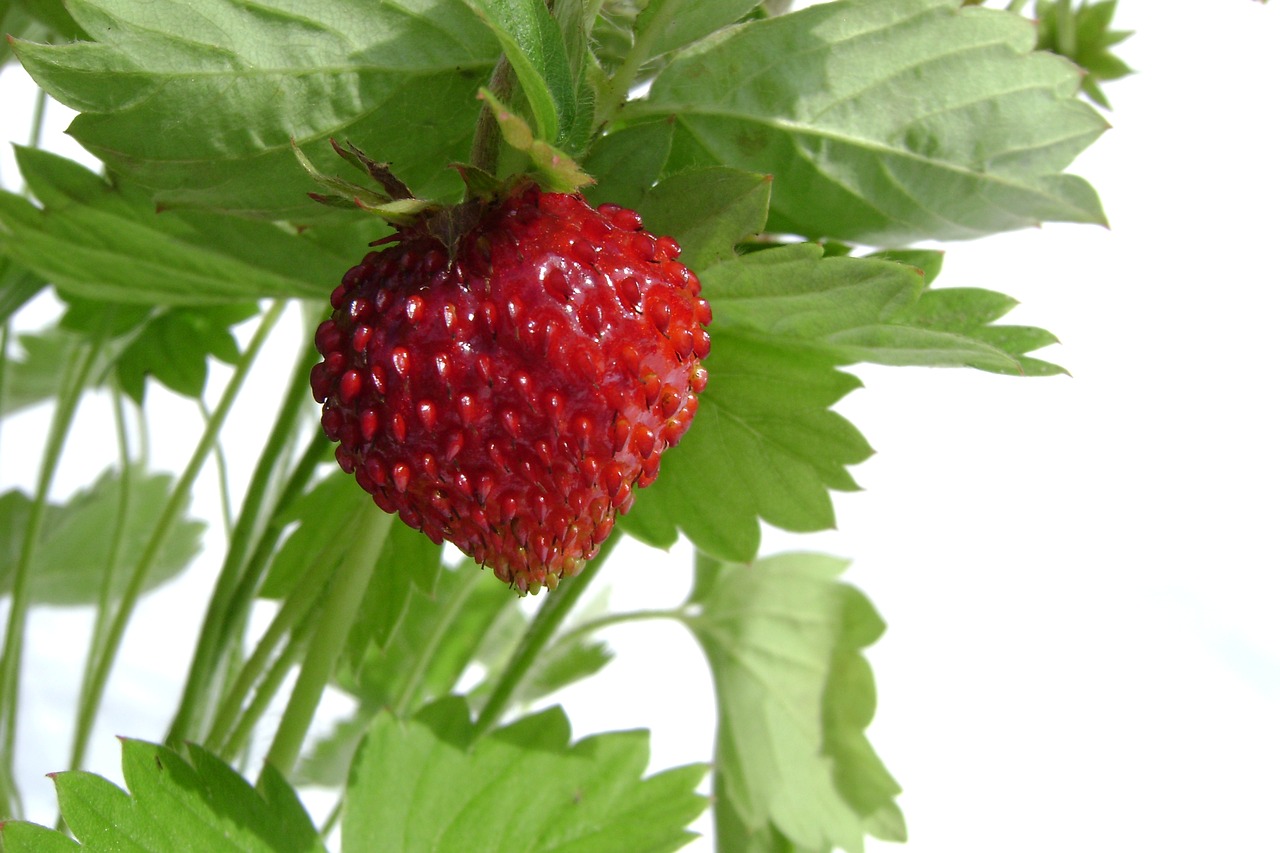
x=105 y=241
x=73 y=554
x=17 y=836
x=182 y=804
x=886 y=121
x=764 y=446
x=784 y=640
x=200 y=104
x=434 y=785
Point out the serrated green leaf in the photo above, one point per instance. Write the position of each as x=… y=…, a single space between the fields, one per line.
x=1084 y=36
x=434 y=785
x=379 y=674
x=535 y=47
x=202 y=107
x=176 y=345
x=325 y=516
x=784 y=640
x=627 y=163
x=33 y=372
x=73 y=554
x=180 y=804
x=886 y=121
x=764 y=442
x=105 y=241
x=862 y=309
x=708 y=211
x=17 y=836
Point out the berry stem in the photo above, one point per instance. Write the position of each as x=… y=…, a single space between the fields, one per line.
x=96 y=682
x=484 y=146
x=336 y=618
x=550 y=617
x=75 y=377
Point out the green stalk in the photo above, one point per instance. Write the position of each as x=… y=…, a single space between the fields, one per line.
x=344 y=597
x=224 y=616
x=484 y=145
x=98 y=642
x=74 y=380
x=550 y=617
x=238 y=737
x=295 y=607
x=97 y=682
x=618 y=87
x=220 y=462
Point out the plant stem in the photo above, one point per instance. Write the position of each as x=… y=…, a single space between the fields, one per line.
x=344 y=597
x=238 y=738
x=593 y=625
x=97 y=681
x=292 y=611
x=550 y=617
x=226 y=613
x=615 y=91
x=220 y=462
x=484 y=146
x=74 y=379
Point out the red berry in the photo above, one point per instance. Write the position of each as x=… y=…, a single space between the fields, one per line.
x=511 y=400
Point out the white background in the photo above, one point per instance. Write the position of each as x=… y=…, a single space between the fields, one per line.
x=1080 y=575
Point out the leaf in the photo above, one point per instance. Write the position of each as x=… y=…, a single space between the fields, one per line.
x=199 y=102
x=326 y=516
x=765 y=443
x=17 y=287
x=534 y=46
x=784 y=640
x=886 y=121
x=17 y=836
x=105 y=241
x=867 y=310
x=676 y=23
x=177 y=803
x=74 y=549
x=435 y=785
x=627 y=163
x=33 y=373
x=1084 y=36
x=708 y=211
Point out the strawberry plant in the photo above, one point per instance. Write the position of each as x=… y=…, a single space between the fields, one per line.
x=560 y=275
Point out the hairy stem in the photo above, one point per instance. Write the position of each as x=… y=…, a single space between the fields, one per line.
x=339 y=613
x=618 y=87
x=169 y=515
x=485 y=144
x=540 y=631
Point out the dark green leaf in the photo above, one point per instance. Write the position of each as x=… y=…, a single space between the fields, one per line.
x=105 y=241
x=670 y=24
x=433 y=785
x=180 y=804
x=708 y=211
x=74 y=551
x=202 y=107
x=175 y=348
x=17 y=286
x=784 y=640
x=627 y=163
x=765 y=444
x=1084 y=36
x=886 y=121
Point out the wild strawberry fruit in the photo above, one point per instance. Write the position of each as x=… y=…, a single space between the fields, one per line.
x=511 y=394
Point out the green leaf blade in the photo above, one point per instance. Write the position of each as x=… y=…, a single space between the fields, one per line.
x=886 y=122
x=435 y=784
